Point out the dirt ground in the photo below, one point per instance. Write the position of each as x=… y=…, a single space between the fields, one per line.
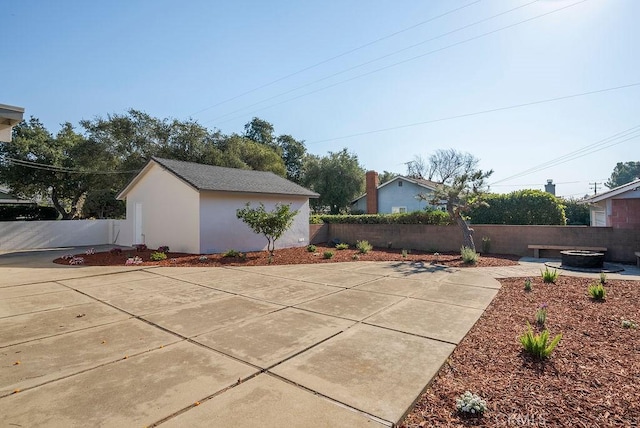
x=288 y=256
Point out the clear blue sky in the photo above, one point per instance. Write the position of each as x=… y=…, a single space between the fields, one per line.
x=72 y=60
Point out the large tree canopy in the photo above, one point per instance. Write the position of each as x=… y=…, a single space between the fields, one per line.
x=461 y=185
x=67 y=167
x=338 y=178
x=623 y=173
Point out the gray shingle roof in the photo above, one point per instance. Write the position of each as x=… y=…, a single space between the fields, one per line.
x=217 y=178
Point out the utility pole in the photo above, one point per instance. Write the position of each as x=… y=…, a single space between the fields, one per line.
x=595 y=187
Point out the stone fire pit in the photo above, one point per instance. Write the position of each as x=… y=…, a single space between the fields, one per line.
x=582 y=259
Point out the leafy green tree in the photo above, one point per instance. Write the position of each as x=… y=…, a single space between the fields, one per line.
x=60 y=168
x=271 y=224
x=461 y=186
x=241 y=152
x=102 y=203
x=261 y=132
x=623 y=173
x=338 y=178
x=386 y=176
x=293 y=152
x=531 y=207
x=576 y=213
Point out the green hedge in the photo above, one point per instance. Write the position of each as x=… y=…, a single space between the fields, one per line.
x=417 y=217
x=27 y=212
x=520 y=207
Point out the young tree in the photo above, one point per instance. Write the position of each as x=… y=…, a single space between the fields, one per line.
x=460 y=187
x=338 y=178
x=271 y=224
x=386 y=176
x=623 y=173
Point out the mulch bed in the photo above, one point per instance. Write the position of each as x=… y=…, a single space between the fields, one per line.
x=288 y=256
x=592 y=379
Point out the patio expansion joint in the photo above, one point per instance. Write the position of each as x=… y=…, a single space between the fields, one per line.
x=43 y=310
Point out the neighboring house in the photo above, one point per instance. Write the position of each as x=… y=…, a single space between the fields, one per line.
x=10 y=116
x=618 y=208
x=9 y=199
x=192 y=207
x=398 y=195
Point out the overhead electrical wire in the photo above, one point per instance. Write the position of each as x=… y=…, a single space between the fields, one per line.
x=405 y=60
x=476 y=113
x=373 y=60
x=53 y=168
x=340 y=55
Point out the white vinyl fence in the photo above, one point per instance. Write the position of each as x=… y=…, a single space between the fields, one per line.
x=22 y=235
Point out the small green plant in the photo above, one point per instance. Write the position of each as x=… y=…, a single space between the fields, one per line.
x=364 y=247
x=549 y=276
x=597 y=291
x=203 y=259
x=486 y=245
x=163 y=249
x=603 y=278
x=541 y=315
x=311 y=248
x=469 y=255
x=471 y=404
x=527 y=285
x=629 y=324
x=404 y=254
x=158 y=256
x=537 y=344
x=232 y=253
x=355 y=257
x=342 y=246
x=327 y=254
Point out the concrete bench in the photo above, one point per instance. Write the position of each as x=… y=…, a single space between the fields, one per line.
x=536 y=248
x=638 y=258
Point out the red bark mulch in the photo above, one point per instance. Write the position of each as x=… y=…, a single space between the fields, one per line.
x=592 y=379
x=287 y=256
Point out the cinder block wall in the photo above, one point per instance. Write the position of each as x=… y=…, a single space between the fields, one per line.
x=505 y=239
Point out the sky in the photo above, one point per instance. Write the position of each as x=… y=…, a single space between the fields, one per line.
x=537 y=90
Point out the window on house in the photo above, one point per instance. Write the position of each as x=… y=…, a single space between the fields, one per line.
x=399 y=183
x=397 y=210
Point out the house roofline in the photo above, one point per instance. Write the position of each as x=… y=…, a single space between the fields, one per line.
x=613 y=192
x=410 y=180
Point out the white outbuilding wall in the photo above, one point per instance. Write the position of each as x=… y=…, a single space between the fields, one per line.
x=164 y=210
x=221 y=230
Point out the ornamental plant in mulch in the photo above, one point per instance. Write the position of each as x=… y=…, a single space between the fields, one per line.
x=589 y=379
x=549 y=276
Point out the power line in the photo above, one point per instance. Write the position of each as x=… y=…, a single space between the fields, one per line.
x=53 y=168
x=476 y=113
x=337 y=56
x=404 y=61
x=370 y=61
x=595 y=187
x=628 y=134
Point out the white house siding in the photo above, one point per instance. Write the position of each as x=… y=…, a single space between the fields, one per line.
x=170 y=213
x=221 y=230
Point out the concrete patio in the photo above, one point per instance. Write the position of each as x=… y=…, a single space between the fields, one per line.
x=341 y=344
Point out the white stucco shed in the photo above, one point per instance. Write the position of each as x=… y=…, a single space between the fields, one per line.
x=192 y=207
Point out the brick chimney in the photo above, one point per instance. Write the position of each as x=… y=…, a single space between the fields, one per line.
x=372 y=192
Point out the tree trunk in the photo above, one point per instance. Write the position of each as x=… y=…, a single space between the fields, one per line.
x=58 y=206
x=467 y=232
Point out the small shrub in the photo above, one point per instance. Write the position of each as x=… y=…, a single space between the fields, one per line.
x=328 y=254
x=548 y=276
x=67 y=257
x=342 y=246
x=527 y=285
x=116 y=251
x=76 y=261
x=163 y=249
x=536 y=344
x=231 y=253
x=469 y=255
x=471 y=404
x=629 y=324
x=355 y=257
x=132 y=261
x=597 y=291
x=158 y=256
x=140 y=247
x=603 y=278
x=541 y=315
x=404 y=254
x=203 y=259
x=90 y=251
x=364 y=247
x=311 y=248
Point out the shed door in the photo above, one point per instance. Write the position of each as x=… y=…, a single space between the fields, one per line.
x=138 y=237
x=599 y=218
